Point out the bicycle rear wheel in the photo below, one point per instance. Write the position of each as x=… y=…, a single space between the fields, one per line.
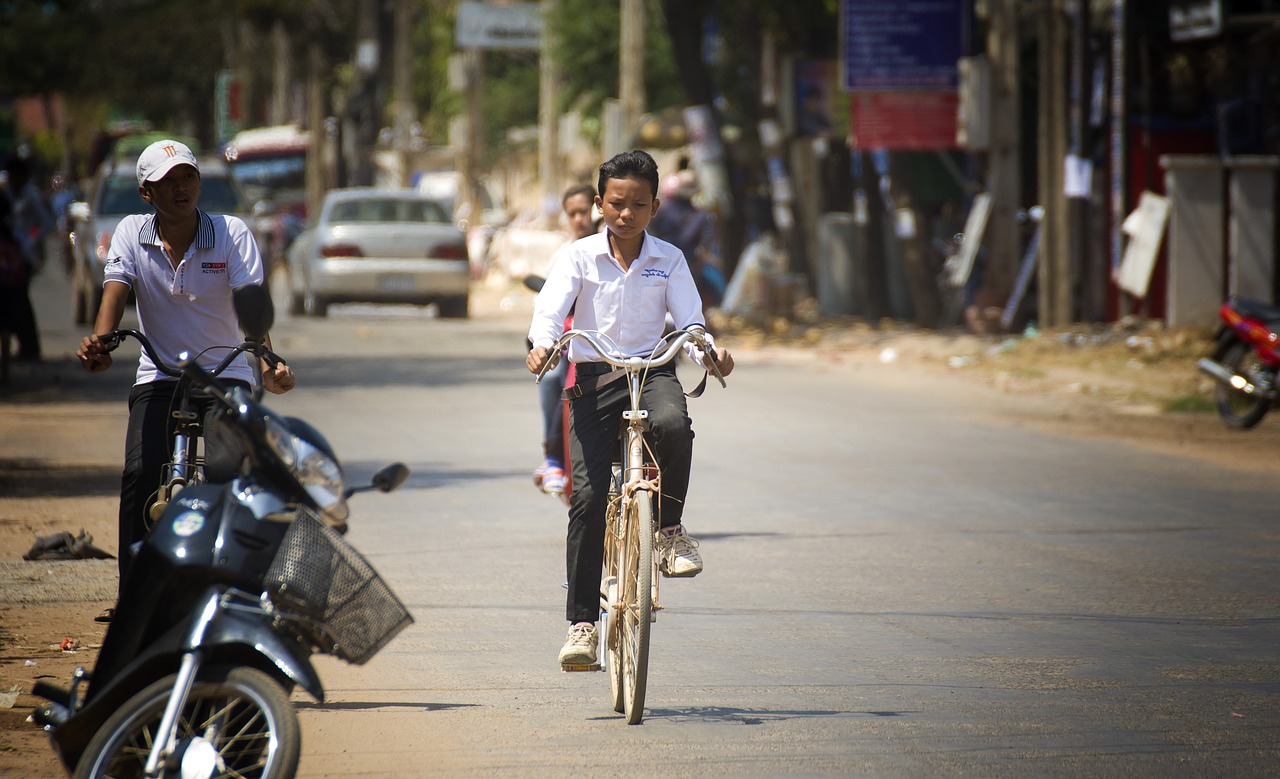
x=635 y=606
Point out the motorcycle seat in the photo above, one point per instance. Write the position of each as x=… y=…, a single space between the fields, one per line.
x=1256 y=309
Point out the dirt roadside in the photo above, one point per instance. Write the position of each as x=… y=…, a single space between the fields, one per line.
x=59 y=451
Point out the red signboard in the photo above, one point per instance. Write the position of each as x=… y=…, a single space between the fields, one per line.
x=904 y=121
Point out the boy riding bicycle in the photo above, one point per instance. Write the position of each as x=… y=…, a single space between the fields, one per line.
x=623 y=283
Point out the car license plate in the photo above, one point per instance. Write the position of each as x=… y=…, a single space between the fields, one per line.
x=395 y=282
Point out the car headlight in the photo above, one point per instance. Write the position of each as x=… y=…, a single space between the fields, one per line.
x=317 y=473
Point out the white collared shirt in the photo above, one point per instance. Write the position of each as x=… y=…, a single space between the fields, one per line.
x=629 y=306
x=188 y=308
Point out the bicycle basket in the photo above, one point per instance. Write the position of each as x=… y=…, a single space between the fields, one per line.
x=318 y=575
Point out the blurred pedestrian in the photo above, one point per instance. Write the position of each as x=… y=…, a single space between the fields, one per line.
x=60 y=199
x=578 y=203
x=31 y=222
x=693 y=231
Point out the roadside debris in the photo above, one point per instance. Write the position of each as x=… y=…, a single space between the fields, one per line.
x=64 y=546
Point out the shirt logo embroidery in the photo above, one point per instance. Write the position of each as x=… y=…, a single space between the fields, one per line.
x=651 y=273
x=213 y=267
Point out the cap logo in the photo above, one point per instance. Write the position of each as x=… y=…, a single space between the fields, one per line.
x=170 y=151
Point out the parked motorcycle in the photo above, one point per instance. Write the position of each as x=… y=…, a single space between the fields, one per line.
x=1244 y=361
x=232 y=591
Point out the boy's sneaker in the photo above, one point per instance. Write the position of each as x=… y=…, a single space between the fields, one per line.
x=553 y=480
x=678 y=553
x=539 y=474
x=580 y=646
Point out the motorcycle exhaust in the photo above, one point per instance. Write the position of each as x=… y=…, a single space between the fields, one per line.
x=1229 y=377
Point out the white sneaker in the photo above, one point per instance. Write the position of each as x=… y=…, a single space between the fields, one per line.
x=678 y=554
x=580 y=646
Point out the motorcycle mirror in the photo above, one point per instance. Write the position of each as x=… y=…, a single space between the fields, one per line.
x=390 y=477
x=254 y=310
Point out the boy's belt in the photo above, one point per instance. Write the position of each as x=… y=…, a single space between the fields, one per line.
x=590 y=377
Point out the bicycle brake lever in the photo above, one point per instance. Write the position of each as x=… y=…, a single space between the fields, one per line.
x=552 y=359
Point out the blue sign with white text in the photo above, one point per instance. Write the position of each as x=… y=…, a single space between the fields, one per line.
x=901 y=45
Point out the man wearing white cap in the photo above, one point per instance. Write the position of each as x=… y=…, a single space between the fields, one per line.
x=182 y=266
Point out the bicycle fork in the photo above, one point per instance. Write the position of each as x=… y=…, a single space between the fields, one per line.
x=181 y=468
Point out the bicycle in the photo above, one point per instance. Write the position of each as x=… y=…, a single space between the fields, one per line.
x=629 y=589
x=186 y=460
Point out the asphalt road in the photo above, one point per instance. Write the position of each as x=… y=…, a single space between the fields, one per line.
x=898 y=583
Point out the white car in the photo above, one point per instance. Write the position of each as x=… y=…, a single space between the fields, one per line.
x=379 y=246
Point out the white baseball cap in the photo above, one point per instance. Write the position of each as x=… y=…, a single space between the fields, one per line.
x=161 y=157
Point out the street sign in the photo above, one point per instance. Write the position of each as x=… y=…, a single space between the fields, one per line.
x=492 y=26
x=904 y=121
x=901 y=45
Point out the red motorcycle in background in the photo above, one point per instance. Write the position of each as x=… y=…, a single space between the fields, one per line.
x=1244 y=361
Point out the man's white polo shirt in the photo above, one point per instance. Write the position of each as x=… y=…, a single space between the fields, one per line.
x=187 y=309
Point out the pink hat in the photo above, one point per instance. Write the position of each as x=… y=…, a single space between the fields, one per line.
x=161 y=157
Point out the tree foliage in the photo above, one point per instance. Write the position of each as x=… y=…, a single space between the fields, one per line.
x=587 y=47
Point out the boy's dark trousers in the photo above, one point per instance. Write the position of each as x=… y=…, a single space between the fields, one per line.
x=594 y=421
x=148 y=446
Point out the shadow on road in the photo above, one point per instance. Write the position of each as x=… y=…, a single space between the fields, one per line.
x=375 y=705
x=731 y=715
x=40 y=479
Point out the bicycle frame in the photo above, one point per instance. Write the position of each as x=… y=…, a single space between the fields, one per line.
x=629 y=592
x=185 y=466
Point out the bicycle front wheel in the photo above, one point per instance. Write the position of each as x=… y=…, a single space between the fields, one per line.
x=635 y=605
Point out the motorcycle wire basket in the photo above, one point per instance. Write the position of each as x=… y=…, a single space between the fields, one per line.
x=317 y=575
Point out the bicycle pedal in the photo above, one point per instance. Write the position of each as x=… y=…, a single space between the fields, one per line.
x=567 y=668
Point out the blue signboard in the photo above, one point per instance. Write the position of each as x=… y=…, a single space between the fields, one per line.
x=901 y=45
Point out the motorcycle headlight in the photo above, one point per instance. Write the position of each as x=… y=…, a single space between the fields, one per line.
x=317 y=472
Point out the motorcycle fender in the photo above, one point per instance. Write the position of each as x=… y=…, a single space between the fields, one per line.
x=232 y=634
x=232 y=637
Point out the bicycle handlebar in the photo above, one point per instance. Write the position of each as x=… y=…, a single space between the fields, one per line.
x=113 y=339
x=677 y=340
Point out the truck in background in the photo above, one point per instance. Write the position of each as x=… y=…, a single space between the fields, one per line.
x=270 y=165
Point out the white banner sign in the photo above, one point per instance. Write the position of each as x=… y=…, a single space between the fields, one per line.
x=491 y=26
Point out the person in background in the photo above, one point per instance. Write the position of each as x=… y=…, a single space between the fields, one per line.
x=549 y=477
x=60 y=199
x=693 y=231
x=623 y=283
x=31 y=221
x=182 y=266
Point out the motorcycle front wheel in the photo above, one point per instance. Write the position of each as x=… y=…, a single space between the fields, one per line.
x=1240 y=410
x=242 y=713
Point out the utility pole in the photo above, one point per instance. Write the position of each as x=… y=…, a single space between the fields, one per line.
x=317 y=131
x=473 y=70
x=631 y=65
x=548 y=118
x=1055 y=287
x=364 y=102
x=402 y=86
x=1004 y=174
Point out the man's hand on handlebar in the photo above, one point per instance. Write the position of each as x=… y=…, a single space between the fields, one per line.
x=94 y=354
x=278 y=380
x=724 y=361
x=537 y=358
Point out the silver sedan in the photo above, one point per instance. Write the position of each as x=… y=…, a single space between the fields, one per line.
x=379 y=246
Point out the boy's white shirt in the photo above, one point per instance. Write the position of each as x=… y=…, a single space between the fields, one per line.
x=629 y=306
